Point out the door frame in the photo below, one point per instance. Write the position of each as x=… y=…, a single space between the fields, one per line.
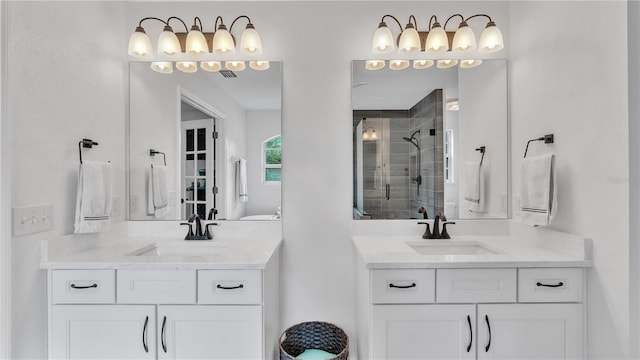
x=184 y=95
x=5 y=195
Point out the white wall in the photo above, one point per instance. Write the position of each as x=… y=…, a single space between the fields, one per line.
x=483 y=121
x=66 y=81
x=634 y=176
x=5 y=195
x=264 y=198
x=574 y=84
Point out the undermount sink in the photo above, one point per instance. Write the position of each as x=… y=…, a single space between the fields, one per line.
x=448 y=247
x=195 y=249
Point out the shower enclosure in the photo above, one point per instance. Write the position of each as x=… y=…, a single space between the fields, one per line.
x=398 y=161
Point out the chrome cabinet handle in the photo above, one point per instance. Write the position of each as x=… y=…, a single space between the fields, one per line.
x=388 y=191
x=163 y=334
x=560 y=283
x=74 y=286
x=470 y=333
x=144 y=335
x=486 y=348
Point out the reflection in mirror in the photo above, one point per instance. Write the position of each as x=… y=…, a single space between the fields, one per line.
x=430 y=141
x=207 y=143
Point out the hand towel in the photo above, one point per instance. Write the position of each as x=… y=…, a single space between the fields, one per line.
x=157 y=203
x=474 y=186
x=93 y=201
x=538 y=192
x=241 y=180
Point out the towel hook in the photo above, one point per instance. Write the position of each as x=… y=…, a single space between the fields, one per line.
x=482 y=150
x=548 y=139
x=153 y=152
x=85 y=143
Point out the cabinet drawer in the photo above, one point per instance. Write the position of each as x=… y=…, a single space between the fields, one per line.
x=83 y=286
x=406 y=286
x=550 y=285
x=476 y=285
x=156 y=286
x=230 y=287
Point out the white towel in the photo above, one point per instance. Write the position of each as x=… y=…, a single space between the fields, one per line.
x=93 y=201
x=157 y=192
x=538 y=192
x=241 y=180
x=474 y=187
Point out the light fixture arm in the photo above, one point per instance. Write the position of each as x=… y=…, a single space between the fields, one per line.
x=451 y=17
x=199 y=21
x=186 y=29
x=433 y=17
x=415 y=22
x=238 y=18
x=152 y=18
x=476 y=15
x=394 y=18
x=215 y=24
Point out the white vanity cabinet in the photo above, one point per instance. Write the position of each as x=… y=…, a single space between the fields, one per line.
x=164 y=314
x=484 y=313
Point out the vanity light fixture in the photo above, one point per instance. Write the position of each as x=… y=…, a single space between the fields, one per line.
x=447 y=63
x=210 y=66
x=163 y=67
x=452 y=104
x=398 y=64
x=422 y=64
x=437 y=39
x=374 y=64
x=195 y=43
x=187 y=66
x=259 y=65
x=369 y=134
x=234 y=65
x=468 y=64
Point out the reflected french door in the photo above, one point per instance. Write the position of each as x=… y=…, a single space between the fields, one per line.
x=198 y=167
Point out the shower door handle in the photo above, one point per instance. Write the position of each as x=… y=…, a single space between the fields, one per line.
x=388 y=191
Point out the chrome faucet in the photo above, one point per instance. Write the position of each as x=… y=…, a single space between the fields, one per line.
x=198 y=235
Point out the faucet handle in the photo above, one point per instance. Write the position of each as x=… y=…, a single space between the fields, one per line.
x=190 y=233
x=445 y=234
x=427 y=231
x=209 y=234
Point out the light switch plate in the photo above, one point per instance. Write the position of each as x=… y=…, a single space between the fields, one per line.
x=32 y=219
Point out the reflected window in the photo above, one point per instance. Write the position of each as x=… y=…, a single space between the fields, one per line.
x=448 y=156
x=272 y=159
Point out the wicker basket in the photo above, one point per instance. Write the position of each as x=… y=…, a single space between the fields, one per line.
x=314 y=335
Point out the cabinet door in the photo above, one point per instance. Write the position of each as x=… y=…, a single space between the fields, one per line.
x=210 y=332
x=423 y=332
x=103 y=332
x=530 y=331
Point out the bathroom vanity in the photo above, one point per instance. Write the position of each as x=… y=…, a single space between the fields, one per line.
x=160 y=298
x=484 y=297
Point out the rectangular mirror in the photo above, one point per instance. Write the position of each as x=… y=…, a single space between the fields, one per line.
x=206 y=143
x=430 y=141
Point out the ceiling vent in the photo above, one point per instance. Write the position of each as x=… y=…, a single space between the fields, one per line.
x=228 y=73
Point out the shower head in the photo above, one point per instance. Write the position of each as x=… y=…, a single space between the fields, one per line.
x=413 y=139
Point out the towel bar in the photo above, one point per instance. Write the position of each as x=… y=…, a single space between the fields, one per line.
x=153 y=152
x=548 y=139
x=482 y=150
x=85 y=143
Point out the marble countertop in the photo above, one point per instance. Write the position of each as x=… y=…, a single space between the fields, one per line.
x=386 y=252
x=126 y=253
